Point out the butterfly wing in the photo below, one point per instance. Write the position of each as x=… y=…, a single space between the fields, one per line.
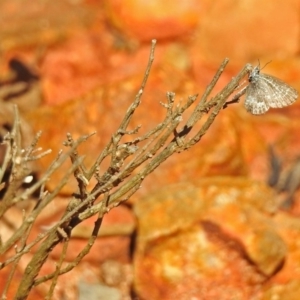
x=255 y=99
x=277 y=93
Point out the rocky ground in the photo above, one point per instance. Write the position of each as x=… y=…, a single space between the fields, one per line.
x=210 y=223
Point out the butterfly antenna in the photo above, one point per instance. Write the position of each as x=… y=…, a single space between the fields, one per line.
x=264 y=65
x=258 y=64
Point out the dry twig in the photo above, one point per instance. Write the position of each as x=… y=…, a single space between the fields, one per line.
x=130 y=163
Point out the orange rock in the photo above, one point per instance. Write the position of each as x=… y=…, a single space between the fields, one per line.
x=99 y=111
x=208 y=239
x=274 y=129
x=40 y=24
x=285 y=284
x=114 y=236
x=113 y=243
x=90 y=58
x=248 y=30
x=14 y=284
x=236 y=144
x=144 y=20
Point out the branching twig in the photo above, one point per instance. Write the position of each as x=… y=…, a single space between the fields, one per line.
x=131 y=161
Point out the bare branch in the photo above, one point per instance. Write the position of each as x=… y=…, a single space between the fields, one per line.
x=131 y=160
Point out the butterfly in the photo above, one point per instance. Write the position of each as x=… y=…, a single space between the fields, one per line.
x=265 y=91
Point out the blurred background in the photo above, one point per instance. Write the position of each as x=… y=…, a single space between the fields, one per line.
x=76 y=65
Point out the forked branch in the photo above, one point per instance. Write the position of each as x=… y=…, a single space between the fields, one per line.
x=131 y=160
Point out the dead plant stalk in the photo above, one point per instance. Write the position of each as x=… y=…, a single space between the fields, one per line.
x=130 y=164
